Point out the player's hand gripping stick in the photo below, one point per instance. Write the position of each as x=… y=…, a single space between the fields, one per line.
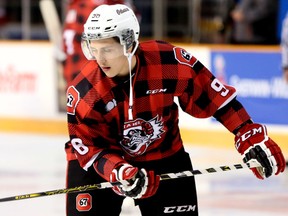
x=137 y=183
x=253 y=143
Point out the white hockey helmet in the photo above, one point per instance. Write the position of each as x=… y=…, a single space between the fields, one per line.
x=107 y=21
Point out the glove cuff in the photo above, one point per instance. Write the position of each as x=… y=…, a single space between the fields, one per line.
x=104 y=165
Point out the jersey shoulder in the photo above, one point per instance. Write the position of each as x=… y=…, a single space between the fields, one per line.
x=156 y=45
x=88 y=72
x=165 y=54
x=87 y=89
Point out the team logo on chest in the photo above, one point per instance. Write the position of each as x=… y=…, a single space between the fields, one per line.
x=139 y=134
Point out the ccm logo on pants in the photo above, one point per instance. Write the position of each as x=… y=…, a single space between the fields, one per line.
x=84 y=202
x=184 y=208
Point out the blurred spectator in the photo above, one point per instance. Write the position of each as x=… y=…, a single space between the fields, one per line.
x=3 y=16
x=255 y=22
x=284 y=47
x=227 y=21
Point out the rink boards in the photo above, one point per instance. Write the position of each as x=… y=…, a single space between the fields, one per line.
x=213 y=135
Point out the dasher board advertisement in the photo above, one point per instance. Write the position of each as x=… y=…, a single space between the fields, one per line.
x=28 y=87
x=257 y=76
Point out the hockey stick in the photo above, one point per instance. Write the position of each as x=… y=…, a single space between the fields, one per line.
x=54 y=29
x=104 y=185
x=51 y=21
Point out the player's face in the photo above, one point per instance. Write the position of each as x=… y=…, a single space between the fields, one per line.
x=110 y=56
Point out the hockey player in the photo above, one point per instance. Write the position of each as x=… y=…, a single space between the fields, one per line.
x=76 y=16
x=123 y=121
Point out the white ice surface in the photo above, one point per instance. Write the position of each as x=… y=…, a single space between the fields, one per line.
x=35 y=163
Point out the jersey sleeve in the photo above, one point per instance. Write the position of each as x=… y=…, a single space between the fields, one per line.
x=205 y=94
x=89 y=135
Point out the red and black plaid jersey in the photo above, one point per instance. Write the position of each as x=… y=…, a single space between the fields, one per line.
x=77 y=14
x=98 y=105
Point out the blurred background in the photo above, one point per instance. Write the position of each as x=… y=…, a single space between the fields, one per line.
x=238 y=40
x=197 y=21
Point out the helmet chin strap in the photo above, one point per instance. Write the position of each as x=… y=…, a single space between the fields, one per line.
x=129 y=58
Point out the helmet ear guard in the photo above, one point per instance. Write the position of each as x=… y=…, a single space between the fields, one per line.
x=127 y=39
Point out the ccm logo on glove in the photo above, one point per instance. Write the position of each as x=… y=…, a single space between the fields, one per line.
x=257 y=148
x=248 y=134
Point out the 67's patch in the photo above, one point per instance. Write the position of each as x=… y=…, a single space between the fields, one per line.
x=83 y=202
x=183 y=57
x=73 y=98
